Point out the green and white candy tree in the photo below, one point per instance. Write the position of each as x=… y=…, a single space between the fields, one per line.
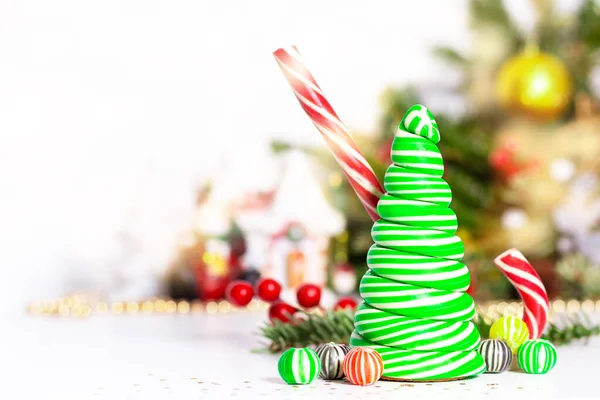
x=416 y=312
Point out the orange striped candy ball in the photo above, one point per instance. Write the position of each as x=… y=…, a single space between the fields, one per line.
x=363 y=366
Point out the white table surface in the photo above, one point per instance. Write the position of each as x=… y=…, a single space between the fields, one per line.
x=209 y=357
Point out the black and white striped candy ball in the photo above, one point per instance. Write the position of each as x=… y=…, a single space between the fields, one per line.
x=332 y=358
x=497 y=355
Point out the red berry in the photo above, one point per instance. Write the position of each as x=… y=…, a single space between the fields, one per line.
x=309 y=295
x=240 y=293
x=268 y=290
x=501 y=158
x=282 y=312
x=345 y=302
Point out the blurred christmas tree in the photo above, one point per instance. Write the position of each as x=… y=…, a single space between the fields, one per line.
x=519 y=129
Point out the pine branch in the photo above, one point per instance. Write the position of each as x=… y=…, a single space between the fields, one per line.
x=337 y=326
x=467 y=215
x=311 y=329
x=486 y=12
x=451 y=56
x=588 y=26
x=469 y=189
x=574 y=327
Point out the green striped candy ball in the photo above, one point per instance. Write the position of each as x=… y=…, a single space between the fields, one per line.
x=299 y=366
x=424 y=365
x=415 y=301
x=410 y=185
x=537 y=356
x=415 y=269
x=419 y=334
x=419 y=120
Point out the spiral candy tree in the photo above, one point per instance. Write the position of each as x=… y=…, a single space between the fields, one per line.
x=416 y=313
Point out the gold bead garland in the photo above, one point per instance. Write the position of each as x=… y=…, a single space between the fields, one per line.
x=79 y=306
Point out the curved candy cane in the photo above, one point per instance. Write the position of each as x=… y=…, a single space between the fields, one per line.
x=526 y=280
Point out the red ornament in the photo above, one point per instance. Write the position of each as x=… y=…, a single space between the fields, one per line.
x=268 y=290
x=363 y=366
x=501 y=158
x=309 y=295
x=240 y=293
x=345 y=302
x=472 y=290
x=282 y=312
x=506 y=164
x=383 y=152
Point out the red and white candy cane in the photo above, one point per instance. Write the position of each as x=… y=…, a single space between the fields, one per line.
x=340 y=142
x=526 y=280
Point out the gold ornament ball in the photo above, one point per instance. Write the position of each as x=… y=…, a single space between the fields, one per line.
x=535 y=83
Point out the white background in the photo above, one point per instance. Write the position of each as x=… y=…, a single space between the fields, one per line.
x=165 y=357
x=116 y=109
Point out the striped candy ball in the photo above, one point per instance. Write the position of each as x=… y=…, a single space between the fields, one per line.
x=497 y=355
x=363 y=366
x=537 y=356
x=332 y=359
x=510 y=329
x=299 y=366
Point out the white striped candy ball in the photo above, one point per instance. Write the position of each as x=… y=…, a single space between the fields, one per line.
x=537 y=356
x=496 y=354
x=299 y=366
x=363 y=366
x=332 y=360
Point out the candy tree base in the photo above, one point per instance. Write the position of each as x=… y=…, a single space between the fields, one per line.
x=387 y=378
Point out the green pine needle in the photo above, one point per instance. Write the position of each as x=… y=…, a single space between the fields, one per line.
x=311 y=329
x=337 y=326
